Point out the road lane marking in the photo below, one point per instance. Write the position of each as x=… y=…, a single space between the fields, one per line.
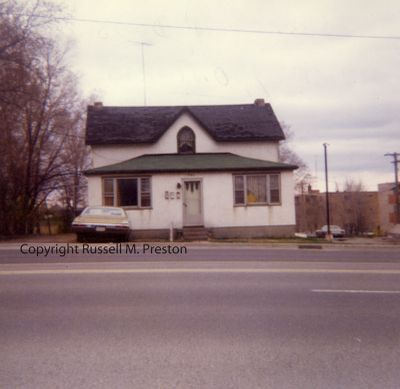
x=355 y=291
x=194 y=270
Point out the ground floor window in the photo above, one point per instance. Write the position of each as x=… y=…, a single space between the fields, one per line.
x=127 y=192
x=257 y=189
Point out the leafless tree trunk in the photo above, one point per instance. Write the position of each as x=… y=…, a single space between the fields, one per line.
x=39 y=111
x=73 y=184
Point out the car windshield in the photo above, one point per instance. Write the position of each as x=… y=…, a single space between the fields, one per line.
x=332 y=227
x=103 y=211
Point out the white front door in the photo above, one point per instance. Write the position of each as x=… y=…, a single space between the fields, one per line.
x=192 y=203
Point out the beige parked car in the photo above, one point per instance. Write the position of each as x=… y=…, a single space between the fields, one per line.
x=101 y=222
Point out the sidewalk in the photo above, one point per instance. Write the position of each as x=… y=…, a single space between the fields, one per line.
x=59 y=238
x=350 y=243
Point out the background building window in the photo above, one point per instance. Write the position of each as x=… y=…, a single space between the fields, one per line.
x=186 y=141
x=127 y=192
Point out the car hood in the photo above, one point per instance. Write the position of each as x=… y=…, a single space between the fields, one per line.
x=100 y=219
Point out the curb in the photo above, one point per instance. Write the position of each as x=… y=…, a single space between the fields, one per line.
x=231 y=245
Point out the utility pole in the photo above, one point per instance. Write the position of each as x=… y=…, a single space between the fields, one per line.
x=142 y=45
x=328 y=221
x=396 y=183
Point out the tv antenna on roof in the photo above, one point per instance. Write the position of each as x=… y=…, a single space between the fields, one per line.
x=142 y=45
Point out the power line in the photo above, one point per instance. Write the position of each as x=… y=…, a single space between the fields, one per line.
x=222 y=29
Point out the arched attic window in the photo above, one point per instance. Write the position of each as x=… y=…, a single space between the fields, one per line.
x=186 y=141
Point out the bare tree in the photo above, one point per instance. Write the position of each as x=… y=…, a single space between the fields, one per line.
x=48 y=119
x=39 y=112
x=287 y=155
x=73 y=184
x=355 y=207
x=20 y=37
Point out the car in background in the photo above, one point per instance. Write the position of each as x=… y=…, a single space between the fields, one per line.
x=336 y=231
x=101 y=222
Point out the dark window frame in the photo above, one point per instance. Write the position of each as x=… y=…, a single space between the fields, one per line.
x=241 y=192
x=144 y=192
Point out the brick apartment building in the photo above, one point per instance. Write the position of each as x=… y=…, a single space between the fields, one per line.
x=356 y=212
x=387 y=206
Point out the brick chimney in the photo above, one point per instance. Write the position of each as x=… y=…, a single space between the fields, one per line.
x=98 y=105
x=259 y=102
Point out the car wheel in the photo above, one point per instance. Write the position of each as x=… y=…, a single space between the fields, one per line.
x=80 y=238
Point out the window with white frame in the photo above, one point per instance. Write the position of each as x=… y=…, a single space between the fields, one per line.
x=256 y=189
x=127 y=192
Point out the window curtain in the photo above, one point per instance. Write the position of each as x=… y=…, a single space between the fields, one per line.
x=256 y=189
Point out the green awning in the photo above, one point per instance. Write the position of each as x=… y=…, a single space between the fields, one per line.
x=202 y=162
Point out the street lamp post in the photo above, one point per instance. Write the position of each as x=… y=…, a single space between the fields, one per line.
x=328 y=221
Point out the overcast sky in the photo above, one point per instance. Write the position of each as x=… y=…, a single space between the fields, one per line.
x=343 y=91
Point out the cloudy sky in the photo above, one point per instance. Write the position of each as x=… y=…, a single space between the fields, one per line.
x=341 y=90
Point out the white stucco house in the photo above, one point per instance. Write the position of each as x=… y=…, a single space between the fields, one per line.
x=202 y=170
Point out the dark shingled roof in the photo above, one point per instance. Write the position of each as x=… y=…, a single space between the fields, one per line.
x=225 y=123
x=167 y=163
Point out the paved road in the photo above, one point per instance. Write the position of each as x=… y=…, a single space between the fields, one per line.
x=200 y=325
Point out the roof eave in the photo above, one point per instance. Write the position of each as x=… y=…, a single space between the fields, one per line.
x=95 y=172
x=132 y=142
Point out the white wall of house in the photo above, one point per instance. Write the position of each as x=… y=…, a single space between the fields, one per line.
x=218 y=203
x=219 y=209
x=107 y=155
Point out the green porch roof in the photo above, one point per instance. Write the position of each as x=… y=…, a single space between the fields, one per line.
x=204 y=162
